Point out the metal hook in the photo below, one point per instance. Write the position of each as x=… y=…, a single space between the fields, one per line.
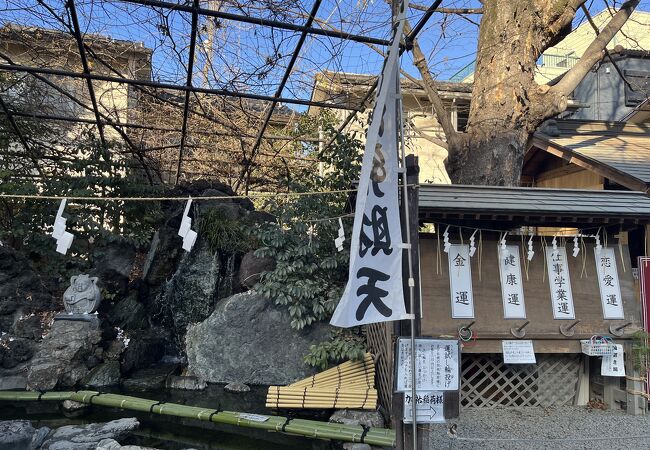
x=618 y=331
x=520 y=331
x=569 y=331
x=466 y=331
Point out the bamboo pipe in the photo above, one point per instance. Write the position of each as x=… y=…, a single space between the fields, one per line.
x=308 y=428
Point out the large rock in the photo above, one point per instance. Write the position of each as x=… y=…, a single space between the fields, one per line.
x=144 y=349
x=104 y=375
x=14 y=351
x=23 y=293
x=113 y=265
x=88 y=437
x=149 y=379
x=252 y=267
x=128 y=313
x=20 y=435
x=249 y=340
x=64 y=353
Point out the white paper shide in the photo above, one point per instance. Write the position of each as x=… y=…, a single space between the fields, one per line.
x=512 y=290
x=374 y=291
x=460 y=282
x=560 y=283
x=610 y=288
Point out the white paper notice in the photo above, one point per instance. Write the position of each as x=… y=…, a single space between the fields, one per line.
x=512 y=289
x=460 y=282
x=518 y=352
x=560 y=283
x=610 y=288
x=429 y=407
x=436 y=365
x=613 y=365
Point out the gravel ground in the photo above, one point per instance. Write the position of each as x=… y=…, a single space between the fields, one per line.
x=543 y=428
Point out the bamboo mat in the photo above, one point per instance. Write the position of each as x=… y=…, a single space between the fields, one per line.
x=348 y=385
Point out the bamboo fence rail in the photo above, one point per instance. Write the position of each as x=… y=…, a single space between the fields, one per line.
x=302 y=427
x=348 y=385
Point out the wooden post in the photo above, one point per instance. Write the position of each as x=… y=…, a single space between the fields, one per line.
x=637 y=405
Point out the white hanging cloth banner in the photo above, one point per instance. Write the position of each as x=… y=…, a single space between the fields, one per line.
x=63 y=238
x=460 y=282
x=512 y=289
x=374 y=291
x=341 y=238
x=610 y=288
x=185 y=231
x=560 y=283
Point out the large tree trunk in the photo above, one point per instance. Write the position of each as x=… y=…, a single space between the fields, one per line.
x=507 y=104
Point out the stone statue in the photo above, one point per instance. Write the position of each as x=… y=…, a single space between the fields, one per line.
x=83 y=296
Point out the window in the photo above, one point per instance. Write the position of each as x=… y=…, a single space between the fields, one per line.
x=638 y=88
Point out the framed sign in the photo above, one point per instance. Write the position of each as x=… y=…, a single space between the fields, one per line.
x=512 y=289
x=609 y=284
x=436 y=365
x=560 y=283
x=460 y=282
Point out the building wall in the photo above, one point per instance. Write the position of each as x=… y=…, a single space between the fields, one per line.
x=604 y=90
x=558 y=59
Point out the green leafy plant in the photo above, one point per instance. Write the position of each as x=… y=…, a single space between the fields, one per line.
x=310 y=273
x=226 y=233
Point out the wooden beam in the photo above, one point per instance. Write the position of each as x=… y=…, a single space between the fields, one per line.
x=572 y=157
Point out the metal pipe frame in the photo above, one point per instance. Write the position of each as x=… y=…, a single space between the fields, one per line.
x=285 y=78
x=261 y=21
x=190 y=70
x=408 y=39
x=84 y=63
x=61 y=118
x=172 y=87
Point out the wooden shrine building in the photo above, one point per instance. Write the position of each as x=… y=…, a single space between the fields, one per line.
x=533 y=218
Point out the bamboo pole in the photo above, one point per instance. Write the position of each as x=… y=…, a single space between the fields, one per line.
x=302 y=427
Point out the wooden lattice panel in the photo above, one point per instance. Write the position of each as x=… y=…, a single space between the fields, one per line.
x=380 y=343
x=487 y=383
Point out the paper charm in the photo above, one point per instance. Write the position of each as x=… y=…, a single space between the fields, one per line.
x=185 y=231
x=63 y=238
x=554 y=242
x=445 y=235
x=504 y=247
x=576 y=247
x=341 y=238
x=531 y=252
x=599 y=246
x=472 y=247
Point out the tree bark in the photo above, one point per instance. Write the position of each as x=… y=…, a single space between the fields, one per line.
x=507 y=104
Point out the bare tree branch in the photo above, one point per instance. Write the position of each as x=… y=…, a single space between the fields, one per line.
x=428 y=83
x=448 y=10
x=595 y=51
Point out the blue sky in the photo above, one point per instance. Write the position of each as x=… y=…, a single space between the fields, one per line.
x=242 y=51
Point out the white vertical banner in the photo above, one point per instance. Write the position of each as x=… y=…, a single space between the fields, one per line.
x=610 y=288
x=560 y=283
x=460 y=282
x=512 y=288
x=374 y=292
